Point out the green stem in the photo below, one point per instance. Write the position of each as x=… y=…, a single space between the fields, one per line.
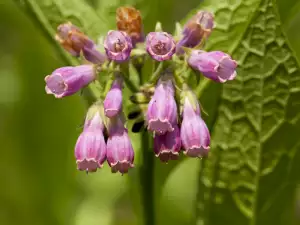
x=147 y=179
x=178 y=78
x=108 y=84
x=132 y=87
x=201 y=87
x=156 y=73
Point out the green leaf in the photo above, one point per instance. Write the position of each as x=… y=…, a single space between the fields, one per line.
x=289 y=12
x=49 y=14
x=251 y=175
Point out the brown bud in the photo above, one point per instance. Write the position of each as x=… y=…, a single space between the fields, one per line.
x=129 y=20
x=72 y=39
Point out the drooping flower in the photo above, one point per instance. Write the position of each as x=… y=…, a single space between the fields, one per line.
x=90 y=149
x=68 y=80
x=129 y=20
x=160 y=45
x=76 y=42
x=194 y=133
x=93 y=55
x=113 y=99
x=167 y=146
x=162 y=109
x=120 y=154
x=197 y=28
x=118 y=46
x=215 y=65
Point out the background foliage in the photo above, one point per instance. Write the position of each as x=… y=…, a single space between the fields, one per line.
x=251 y=176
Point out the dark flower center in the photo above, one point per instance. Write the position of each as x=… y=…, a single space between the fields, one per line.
x=118 y=46
x=160 y=48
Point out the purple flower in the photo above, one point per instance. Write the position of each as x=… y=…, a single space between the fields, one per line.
x=117 y=45
x=90 y=149
x=167 y=146
x=75 y=42
x=197 y=28
x=194 y=133
x=162 y=109
x=120 y=154
x=160 y=45
x=215 y=65
x=93 y=55
x=113 y=99
x=68 y=80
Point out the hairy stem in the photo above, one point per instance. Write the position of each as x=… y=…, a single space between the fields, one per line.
x=147 y=179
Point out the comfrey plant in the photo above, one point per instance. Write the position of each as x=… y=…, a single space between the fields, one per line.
x=165 y=103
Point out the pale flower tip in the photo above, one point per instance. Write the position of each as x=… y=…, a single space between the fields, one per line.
x=48 y=91
x=122 y=167
x=197 y=152
x=160 y=126
x=88 y=165
x=233 y=76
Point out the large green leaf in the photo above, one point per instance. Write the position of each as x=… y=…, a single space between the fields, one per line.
x=289 y=12
x=251 y=174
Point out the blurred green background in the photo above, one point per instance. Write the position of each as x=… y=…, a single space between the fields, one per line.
x=39 y=181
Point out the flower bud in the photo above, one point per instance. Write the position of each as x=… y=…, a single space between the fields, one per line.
x=194 y=133
x=129 y=20
x=68 y=80
x=72 y=39
x=93 y=55
x=160 y=45
x=90 y=149
x=140 y=98
x=167 y=146
x=197 y=28
x=118 y=46
x=92 y=115
x=120 y=154
x=162 y=108
x=113 y=99
x=75 y=42
x=215 y=65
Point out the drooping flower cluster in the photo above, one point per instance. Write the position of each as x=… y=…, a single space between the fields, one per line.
x=165 y=103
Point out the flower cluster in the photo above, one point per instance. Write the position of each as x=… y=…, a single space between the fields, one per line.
x=166 y=105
